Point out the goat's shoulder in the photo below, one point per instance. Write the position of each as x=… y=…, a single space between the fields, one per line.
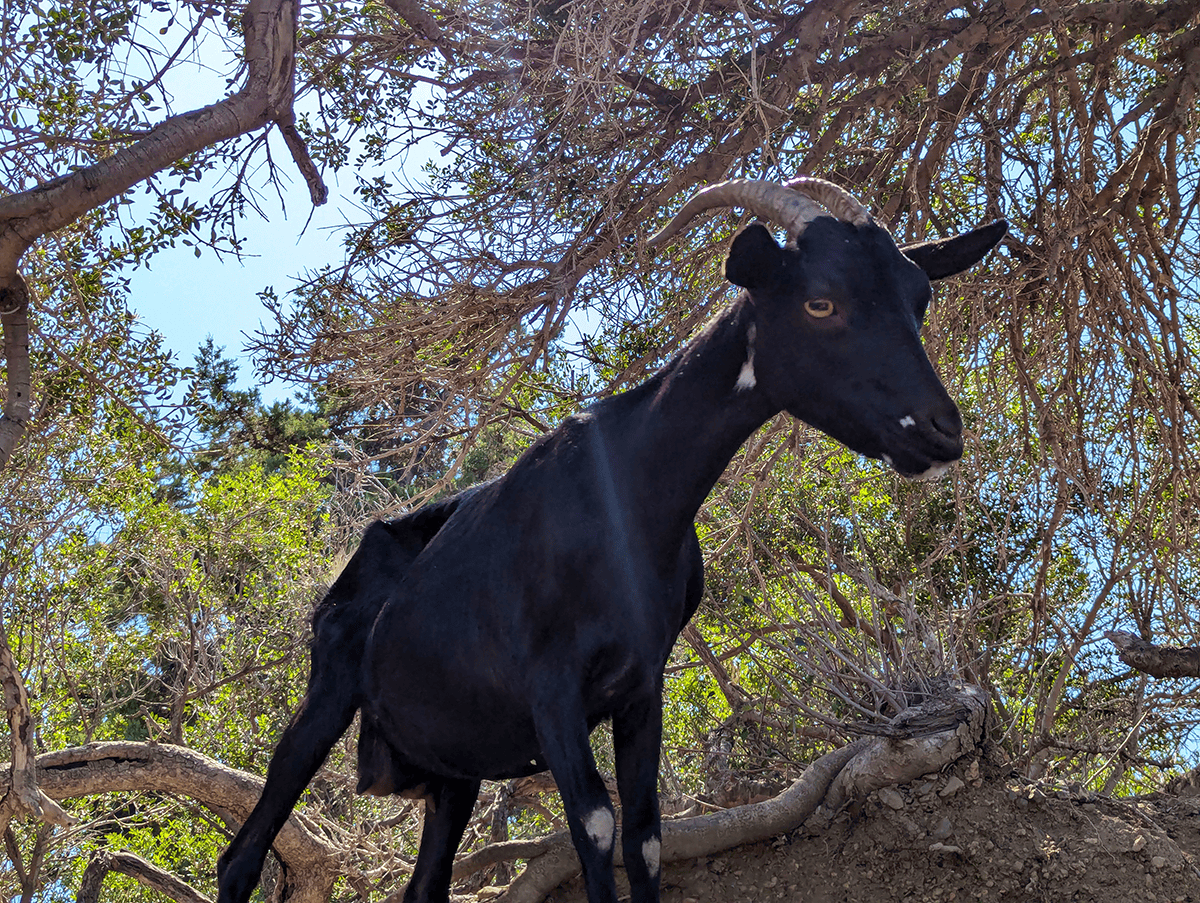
x=384 y=554
x=421 y=525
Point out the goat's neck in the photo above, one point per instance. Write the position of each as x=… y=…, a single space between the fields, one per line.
x=675 y=435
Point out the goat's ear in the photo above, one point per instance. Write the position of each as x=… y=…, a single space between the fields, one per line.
x=754 y=257
x=948 y=256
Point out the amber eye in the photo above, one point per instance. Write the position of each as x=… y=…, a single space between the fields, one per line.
x=818 y=307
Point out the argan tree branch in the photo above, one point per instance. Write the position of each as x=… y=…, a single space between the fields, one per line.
x=1157 y=661
x=266 y=97
x=146 y=873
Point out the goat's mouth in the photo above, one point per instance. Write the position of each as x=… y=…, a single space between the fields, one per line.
x=921 y=457
x=916 y=448
x=936 y=469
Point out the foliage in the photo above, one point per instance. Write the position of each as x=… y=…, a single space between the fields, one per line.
x=160 y=556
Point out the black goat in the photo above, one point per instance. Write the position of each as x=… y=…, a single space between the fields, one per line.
x=485 y=636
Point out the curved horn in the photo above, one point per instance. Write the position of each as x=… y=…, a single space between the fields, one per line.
x=787 y=206
x=836 y=200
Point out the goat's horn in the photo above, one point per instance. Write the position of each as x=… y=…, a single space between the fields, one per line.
x=836 y=200
x=792 y=206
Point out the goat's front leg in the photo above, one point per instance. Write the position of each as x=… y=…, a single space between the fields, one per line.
x=563 y=735
x=448 y=806
x=637 y=736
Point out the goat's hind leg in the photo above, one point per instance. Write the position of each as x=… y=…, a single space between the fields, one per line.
x=326 y=711
x=448 y=806
x=305 y=743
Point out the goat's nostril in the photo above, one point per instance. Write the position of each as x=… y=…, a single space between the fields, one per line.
x=948 y=424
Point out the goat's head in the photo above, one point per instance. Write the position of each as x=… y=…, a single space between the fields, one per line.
x=837 y=318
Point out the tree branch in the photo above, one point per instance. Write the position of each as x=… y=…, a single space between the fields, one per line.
x=14 y=318
x=23 y=795
x=1157 y=661
x=146 y=873
x=266 y=97
x=923 y=738
x=295 y=144
x=126 y=766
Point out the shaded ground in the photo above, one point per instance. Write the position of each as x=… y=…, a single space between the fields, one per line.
x=958 y=837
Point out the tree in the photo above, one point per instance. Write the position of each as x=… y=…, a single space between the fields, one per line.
x=101 y=149
x=507 y=285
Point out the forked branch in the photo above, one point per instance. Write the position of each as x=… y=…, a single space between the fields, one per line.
x=266 y=97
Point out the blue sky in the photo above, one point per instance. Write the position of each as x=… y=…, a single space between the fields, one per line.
x=187 y=298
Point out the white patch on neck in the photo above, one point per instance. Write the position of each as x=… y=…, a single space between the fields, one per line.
x=746 y=378
x=600 y=826
x=907 y=422
x=650 y=853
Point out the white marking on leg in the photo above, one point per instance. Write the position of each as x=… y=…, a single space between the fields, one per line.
x=887 y=459
x=650 y=853
x=746 y=378
x=907 y=421
x=600 y=827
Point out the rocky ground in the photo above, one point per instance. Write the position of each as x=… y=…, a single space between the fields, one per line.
x=961 y=836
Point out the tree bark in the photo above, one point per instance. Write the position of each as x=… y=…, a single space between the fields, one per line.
x=22 y=796
x=98 y=768
x=14 y=319
x=1157 y=661
x=146 y=873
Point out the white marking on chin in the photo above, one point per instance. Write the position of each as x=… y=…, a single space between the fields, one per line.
x=934 y=472
x=650 y=853
x=600 y=826
x=746 y=378
x=906 y=422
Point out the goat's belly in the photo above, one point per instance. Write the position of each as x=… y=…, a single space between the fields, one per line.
x=458 y=734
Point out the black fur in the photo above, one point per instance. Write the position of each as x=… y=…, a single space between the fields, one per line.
x=485 y=636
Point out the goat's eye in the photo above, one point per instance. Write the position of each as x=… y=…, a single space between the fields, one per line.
x=819 y=307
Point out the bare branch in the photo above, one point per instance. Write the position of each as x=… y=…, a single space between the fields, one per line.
x=146 y=873
x=316 y=187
